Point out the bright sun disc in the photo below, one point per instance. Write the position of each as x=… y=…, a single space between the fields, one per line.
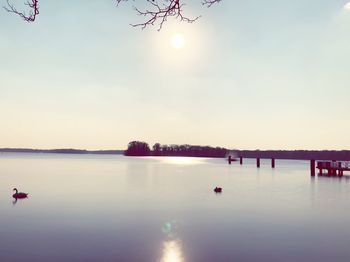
x=347 y=6
x=177 y=41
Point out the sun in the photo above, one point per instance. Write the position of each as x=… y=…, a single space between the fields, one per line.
x=177 y=41
x=347 y=6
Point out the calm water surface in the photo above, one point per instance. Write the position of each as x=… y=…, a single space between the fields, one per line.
x=115 y=208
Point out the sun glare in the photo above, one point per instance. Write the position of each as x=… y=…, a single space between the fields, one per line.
x=177 y=41
x=172 y=252
x=347 y=6
x=183 y=160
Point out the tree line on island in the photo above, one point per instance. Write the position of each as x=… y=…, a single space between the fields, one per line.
x=139 y=148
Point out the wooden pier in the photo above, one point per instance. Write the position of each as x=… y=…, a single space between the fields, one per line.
x=230 y=159
x=332 y=168
x=325 y=167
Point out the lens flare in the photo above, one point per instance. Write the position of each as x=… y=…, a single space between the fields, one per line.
x=167 y=228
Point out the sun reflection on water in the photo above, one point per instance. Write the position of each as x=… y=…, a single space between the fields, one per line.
x=172 y=251
x=183 y=160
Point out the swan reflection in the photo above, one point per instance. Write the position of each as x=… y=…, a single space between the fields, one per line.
x=15 y=199
x=172 y=251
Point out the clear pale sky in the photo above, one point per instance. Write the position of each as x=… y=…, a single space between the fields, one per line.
x=253 y=74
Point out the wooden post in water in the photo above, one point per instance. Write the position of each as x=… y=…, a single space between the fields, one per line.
x=333 y=166
x=312 y=167
x=229 y=159
x=328 y=167
x=241 y=160
x=258 y=162
x=272 y=162
x=340 y=171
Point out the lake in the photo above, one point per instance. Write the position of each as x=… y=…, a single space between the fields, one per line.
x=115 y=208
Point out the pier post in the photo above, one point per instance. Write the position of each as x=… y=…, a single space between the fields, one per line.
x=334 y=168
x=258 y=162
x=272 y=162
x=328 y=168
x=329 y=172
x=241 y=160
x=229 y=160
x=340 y=171
x=312 y=167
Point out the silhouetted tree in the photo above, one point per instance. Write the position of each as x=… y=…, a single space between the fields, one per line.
x=188 y=150
x=156 y=149
x=137 y=148
x=158 y=11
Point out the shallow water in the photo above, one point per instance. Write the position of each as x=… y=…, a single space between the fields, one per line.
x=115 y=208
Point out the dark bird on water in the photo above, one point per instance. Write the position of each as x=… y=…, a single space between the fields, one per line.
x=19 y=194
x=217 y=189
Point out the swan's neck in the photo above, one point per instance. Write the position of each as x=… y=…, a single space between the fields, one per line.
x=16 y=190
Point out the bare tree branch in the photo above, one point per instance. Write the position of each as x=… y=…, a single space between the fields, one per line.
x=159 y=12
x=30 y=17
x=209 y=3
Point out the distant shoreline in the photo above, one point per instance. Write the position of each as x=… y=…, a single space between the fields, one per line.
x=340 y=155
x=61 y=151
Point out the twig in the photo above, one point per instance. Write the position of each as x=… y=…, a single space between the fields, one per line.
x=34 y=10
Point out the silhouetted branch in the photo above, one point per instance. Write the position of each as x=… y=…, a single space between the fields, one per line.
x=158 y=12
x=209 y=3
x=34 y=10
x=161 y=12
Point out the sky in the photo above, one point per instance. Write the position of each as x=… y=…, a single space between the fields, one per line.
x=252 y=74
